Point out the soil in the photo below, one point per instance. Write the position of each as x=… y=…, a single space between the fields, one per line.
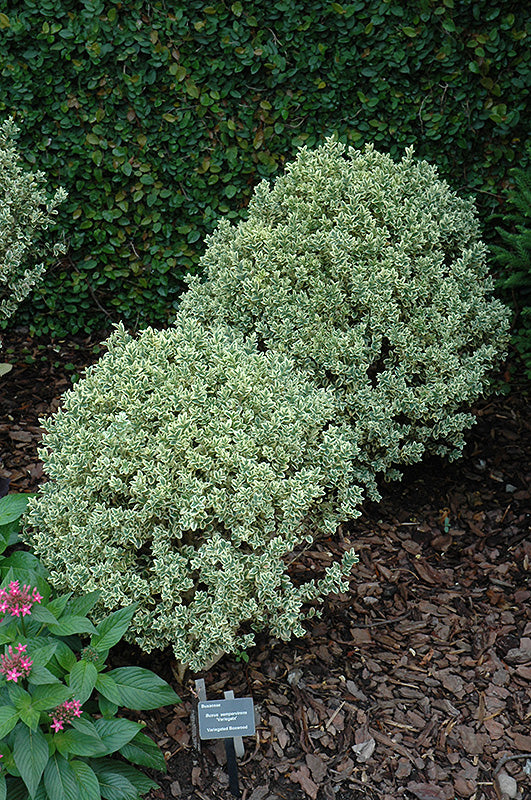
x=415 y=683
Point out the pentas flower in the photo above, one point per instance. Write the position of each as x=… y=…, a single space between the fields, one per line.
x=64 y=713
x=17 y=601
x=15 y=665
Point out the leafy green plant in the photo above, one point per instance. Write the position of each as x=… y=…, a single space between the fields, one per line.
x=58 y=701
x=183 y=469
x=154 y=141
x=513 y=257
x=371 y=274
x=25 y=213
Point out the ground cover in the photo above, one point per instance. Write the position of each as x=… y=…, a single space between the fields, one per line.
x=415 y=684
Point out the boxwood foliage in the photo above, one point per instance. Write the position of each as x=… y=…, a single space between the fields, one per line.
x=183 y=469
x=159 y=118
x=26 y=212
x=370 y=273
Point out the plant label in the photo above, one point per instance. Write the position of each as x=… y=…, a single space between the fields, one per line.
x=226 y=719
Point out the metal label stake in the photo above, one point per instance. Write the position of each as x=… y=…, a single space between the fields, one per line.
x=228 y=719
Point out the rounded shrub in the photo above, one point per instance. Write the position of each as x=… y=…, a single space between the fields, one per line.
x=370 y=273
x=183 y=469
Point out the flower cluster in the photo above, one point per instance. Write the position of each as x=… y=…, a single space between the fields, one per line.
x=15 y=665
x=65 y=713
x=17 y=601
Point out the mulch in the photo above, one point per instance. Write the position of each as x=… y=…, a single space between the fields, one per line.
x=414 y=684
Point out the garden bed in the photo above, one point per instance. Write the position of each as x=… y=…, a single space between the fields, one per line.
x=415 y=684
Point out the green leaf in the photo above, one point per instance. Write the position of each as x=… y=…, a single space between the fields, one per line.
x=40 y=675
x=22 y=701
x=12 y=507
x=3 y=787
x=43 y=614
x=80 y=606
x=60 y=779
x=144 y=751
x=8 y=719
x=411 y=32
x=116 y=780
x=89 y=788
x=48 y=696
x=57 y=606
x=114 y=733
x=112 y=628
x=142 y=689
x=30 y=752
x=65 y=657
x=82 y=680
x=106 y=685
x=107 y=709
x=42 y=655
x=72 y=624
x=79 y=744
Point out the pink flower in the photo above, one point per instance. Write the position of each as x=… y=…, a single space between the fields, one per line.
x=14 y=664
x=65 y=713
x=17 y=601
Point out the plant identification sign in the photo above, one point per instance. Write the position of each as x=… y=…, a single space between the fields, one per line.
x=226 y=719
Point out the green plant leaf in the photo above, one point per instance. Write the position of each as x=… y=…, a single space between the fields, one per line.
x=65 y=657
x=116 y=780
x=8 y=719
x=142 y=689
x=112 y=628
x=30 y=752
x=41 y=675
x=57 y=605
x=3 y=787
x=89 y=788
x=145 y=752
x=41 y=655
x=12 y=507
x=60 y=779
x=106 y=685
x=22 y=701
x=115 y=733
x=72 y=624
x=79 y=744
x=47 y=696
x=82 y=680
x=107 y=709
x=80 y=606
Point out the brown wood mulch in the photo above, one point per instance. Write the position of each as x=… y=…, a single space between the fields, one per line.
x=415 y=684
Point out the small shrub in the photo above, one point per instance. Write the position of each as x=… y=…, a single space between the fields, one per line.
x=514 y=259
x=371 y=275
x=24 y=215
x=183 y=468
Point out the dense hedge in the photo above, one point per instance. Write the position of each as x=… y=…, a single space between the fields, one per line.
x=159 y=118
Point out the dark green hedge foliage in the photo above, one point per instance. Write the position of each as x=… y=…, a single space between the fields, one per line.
x=513 y=256
x=159 y=118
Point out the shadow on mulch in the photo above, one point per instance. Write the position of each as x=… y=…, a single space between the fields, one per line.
x=415 y=683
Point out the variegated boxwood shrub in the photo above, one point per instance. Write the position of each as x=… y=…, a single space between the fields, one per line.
x=371 y=274
x=183 y=469
x=159 y=118
x=25 y=213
